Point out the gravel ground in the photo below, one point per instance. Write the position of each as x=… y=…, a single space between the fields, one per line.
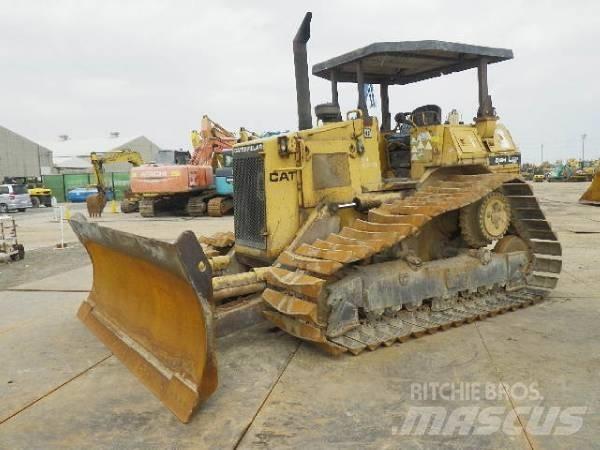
x=41 y=263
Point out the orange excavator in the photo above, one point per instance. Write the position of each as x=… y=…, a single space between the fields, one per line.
x=210 y=142
x=187 y=188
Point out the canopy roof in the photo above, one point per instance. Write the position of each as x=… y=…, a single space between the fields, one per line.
x=408 y=62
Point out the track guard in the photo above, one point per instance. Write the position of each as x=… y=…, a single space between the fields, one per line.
x=150 y=304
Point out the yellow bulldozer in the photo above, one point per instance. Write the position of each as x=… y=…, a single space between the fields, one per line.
x=351 y=234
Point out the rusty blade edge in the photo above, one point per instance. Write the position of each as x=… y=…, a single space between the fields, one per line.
x=179 y=395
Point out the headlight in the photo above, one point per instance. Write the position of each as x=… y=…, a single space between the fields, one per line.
x=282 y=144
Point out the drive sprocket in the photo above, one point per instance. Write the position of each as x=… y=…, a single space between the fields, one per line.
x=486 y=220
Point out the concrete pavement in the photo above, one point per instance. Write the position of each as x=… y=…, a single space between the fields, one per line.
x=60 y=388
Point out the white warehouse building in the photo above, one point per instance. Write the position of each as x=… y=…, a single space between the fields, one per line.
x=73 y=155
x=21 y=157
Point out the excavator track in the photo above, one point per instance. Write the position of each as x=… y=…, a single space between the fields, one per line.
x=219 y=206
x=196 y=206
x=129 y=206
x=147 y=207
x=302 y=277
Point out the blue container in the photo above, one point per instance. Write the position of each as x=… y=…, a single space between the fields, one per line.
x=79 y=195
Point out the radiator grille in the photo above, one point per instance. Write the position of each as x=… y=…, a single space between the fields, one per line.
x=249 y=200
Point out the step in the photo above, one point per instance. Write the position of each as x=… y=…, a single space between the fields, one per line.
x=360 y=251
x=402 y=229
x=297 y=281
x=341 y=256
x=441 y=184
x=365 y=236
x=320 y=266
x=378 y=216
x=290 y=305
x=295 y=327
x=375 y=245
x=441 y=189
x=432 y=210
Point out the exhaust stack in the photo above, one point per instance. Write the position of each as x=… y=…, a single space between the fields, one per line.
x=301 y=70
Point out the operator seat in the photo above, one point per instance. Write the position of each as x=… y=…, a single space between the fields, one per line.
x=426 y=115
x=328 y=112
x=398 y=147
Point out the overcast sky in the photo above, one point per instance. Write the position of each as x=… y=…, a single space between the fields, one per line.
x=85 y=68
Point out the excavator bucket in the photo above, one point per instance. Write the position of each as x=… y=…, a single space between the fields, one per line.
x=592 y=195
x=150 y=304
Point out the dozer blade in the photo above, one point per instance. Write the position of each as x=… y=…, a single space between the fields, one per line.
x=592 y=195
x=150 y=304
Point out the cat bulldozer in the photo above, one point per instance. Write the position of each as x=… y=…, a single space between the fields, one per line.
x=350 y=234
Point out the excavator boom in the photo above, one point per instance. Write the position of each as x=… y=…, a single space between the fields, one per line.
x=212 y=139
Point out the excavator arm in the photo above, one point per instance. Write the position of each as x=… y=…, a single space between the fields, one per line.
x=126 y=155
x=211 y=140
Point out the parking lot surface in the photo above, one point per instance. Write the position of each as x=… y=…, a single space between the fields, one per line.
x=61 y=388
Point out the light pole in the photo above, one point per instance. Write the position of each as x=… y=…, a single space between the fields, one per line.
x=542 y=152
x=583 y=136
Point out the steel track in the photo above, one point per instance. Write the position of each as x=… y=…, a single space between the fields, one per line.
x=297 y=281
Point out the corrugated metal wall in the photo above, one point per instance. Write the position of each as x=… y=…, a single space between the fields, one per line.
x=20 y=157
x=148 y=151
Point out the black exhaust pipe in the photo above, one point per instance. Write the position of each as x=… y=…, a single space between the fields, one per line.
x=301 y=69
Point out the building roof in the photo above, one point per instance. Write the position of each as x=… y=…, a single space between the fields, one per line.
x=83 y=147
x=408 y=62
x=72 y=162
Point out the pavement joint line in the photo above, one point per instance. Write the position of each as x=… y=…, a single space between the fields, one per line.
x=548 y=200
x=572 y=274
x=247 y=428
x=53 y=390
x=508 y=396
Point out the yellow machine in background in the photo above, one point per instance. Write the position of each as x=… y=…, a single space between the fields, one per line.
x=40 y=196
x=592 y=195
x=350 y=234
x=131 y=202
